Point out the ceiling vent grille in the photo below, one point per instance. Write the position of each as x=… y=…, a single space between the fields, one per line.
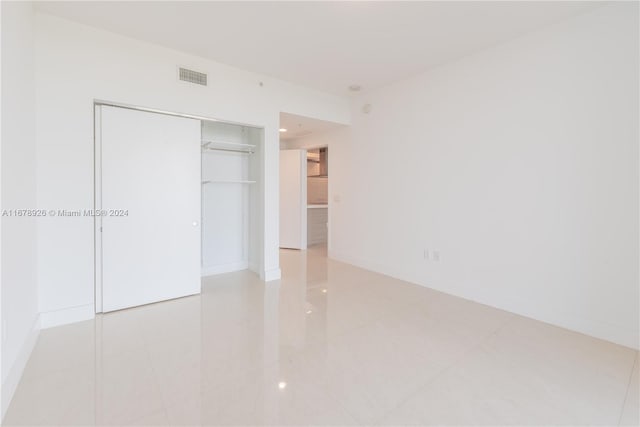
x=191 y=76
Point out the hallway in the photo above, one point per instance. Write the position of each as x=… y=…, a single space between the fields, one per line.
x=331 y=344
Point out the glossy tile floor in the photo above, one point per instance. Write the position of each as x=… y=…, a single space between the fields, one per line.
x=331 y=344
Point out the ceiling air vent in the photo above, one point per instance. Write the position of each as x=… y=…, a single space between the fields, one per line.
x=191 y=76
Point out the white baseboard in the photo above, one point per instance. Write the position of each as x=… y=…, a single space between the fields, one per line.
x=224 y=268
x=12 y=380
x=65 y=316
x=271 y=275
x=255 y=268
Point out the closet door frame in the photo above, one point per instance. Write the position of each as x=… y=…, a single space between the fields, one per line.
x=97 y=169
x=97 y=206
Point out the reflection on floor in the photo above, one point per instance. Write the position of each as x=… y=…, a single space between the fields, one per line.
x=329 y=344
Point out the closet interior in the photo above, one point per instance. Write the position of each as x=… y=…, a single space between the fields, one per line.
x=231 y=156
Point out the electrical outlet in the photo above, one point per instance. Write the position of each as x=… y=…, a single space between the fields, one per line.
x=337 y=198
x=426 y=254
x=436 y=255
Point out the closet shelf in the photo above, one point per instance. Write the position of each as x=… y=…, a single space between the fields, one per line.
x=228 y=181
x=228 y=146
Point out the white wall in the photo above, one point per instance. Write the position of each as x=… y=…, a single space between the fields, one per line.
x=77 y=64
x=519 y=164
x=18 y=165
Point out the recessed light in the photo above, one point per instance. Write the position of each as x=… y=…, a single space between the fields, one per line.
x=282 y=385
x=309 y=311
x=324 y=291
x=283 y=130
x=355 y=88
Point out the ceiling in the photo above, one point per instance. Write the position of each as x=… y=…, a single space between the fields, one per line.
x=323 y=45
x=299 y=126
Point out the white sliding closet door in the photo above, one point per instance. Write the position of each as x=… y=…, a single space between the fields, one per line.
x=150 y=167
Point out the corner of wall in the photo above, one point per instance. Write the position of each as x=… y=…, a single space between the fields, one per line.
x=513 y=235
x=20 y=317
x=10 y=383
x=49 y=319
x=271 y=275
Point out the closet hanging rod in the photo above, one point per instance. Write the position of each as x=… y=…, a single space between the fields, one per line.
x=225 y=181
x=233 y=150
x=206 y=143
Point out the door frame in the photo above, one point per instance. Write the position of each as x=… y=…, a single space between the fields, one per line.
x=302 y=193
x=97 y=180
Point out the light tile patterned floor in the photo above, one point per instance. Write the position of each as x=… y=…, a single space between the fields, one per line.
x=330 y=344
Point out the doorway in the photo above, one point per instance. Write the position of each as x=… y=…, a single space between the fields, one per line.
x=305 y=187
x=317 y=182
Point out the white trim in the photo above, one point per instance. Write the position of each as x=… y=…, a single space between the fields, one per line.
x=170 y=113
x=12 y=380
x=330 y=196
x=254 y=267
x=97 y=205
x=271 y=275
x=224 y=268
x=66 y=315
x=3 y=325
x=304 y=232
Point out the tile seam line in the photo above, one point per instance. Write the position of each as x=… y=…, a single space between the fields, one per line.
x=626 y=394
x=462 y=356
